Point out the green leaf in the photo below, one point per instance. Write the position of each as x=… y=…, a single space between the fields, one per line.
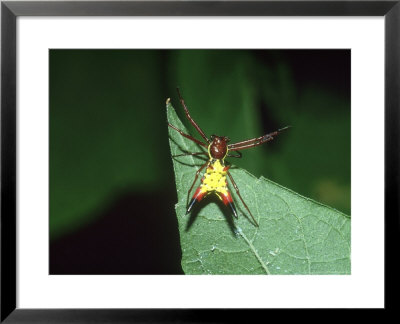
x=296 y=235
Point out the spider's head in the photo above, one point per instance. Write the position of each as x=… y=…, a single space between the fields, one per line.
x=220 y=138
x=218 y=147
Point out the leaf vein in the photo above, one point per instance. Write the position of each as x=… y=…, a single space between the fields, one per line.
x=263 y=264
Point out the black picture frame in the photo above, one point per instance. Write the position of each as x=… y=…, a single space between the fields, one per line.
x=10 y=10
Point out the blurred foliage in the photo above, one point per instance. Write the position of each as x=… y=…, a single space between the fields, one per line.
x=108 y=132
x=104 y=130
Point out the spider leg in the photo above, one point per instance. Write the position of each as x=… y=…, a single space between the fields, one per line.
x=255 y=141
x=185 y=154
x=191 y=119
x=190 y=190
x=238 y=155
x=188 y=136
x=238 y=193
x=242 y=143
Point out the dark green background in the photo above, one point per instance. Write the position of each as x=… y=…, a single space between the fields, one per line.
x=112 y=190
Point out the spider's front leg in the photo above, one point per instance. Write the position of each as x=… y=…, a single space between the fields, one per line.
x=201 y=132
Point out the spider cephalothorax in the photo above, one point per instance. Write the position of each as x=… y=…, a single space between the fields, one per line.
x=218 y=147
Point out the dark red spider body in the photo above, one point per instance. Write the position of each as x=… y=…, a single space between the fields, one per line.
x=218 y=147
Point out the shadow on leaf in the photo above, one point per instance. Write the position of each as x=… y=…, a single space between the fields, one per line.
x=212 y=198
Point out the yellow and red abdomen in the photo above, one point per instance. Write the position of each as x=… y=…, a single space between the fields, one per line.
x=214 y=181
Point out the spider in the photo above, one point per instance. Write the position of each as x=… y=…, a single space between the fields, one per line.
x=214 y=179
